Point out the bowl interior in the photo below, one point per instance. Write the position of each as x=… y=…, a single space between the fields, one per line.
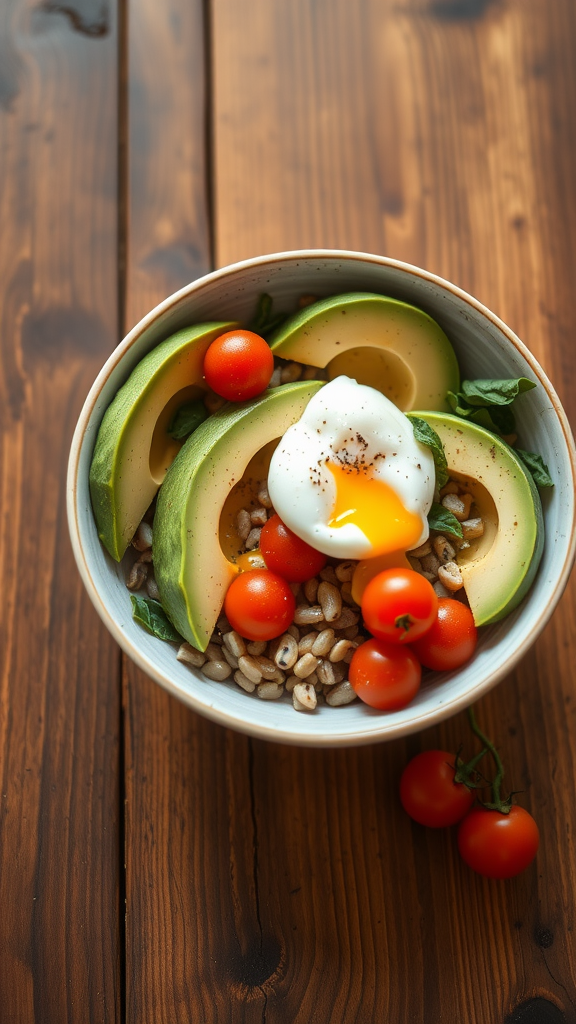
x=484 y=347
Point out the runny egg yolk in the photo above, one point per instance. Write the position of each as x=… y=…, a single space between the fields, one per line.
x=375 y=508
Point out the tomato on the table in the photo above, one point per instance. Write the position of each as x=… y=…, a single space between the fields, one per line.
x=399 y=605
x=384 y=675
x=259 y=604
x=238 y=365
x=429 y=793
x=498 y=845
x=288 y=555
x=452 y=638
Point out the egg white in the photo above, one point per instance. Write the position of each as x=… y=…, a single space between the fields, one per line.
x=347 y=421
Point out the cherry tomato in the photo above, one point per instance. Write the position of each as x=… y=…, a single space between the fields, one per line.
x=284 y=553
x=386 y=676
x=238 y=365
x=452 y=638
x=428 y=791
x=259 y=605
x=399 y=605
x=498 y=845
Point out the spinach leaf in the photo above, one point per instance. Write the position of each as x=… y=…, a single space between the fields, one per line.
x=440 y=518
x=495 y=392
x=151 y=615
x=501 y=416
x=536 y=466
x=487 y=402
x=263 y=312
x=498 y=418
x=186 y=418
x=264 y=322
x=458 y=404
x=425 y=434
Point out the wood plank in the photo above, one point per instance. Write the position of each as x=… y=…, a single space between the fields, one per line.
x=435 y=131
x=174 y=760
x=168 y=234
x=59 y=678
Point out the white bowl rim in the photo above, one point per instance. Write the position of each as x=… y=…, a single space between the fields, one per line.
x=232 y=721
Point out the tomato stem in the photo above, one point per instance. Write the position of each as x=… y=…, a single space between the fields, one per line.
x=465 y=771
x=497 y=804
x=404 y=622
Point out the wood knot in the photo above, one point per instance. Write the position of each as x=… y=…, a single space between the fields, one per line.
x=544 y=938
x=536 y=1011
x=251 y=970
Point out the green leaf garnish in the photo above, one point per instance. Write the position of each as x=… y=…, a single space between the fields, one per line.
x=151 y=615
x=264 y=322
x=425 y=434
x=458 y=404
x=441 y=519
x=263 y=312
x=498 y=417
x=487 y=402
x=186 y=418
x=536 y=466
x=495 y=392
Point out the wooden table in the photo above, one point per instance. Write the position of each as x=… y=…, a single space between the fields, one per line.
x=142 y=144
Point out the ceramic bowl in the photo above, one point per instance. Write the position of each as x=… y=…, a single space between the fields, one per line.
x=485 y=348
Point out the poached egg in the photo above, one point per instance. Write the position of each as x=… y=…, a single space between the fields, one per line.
x=350 y=478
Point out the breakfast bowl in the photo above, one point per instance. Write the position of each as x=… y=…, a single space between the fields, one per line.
x=485 y=348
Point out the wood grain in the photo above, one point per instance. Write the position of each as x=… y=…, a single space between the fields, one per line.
x=175 y=810
x=168 y=231
x=59 y=679
x=438 y=133
x=262 y=883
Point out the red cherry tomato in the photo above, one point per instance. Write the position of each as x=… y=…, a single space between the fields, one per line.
x=428 y=791
x=259 y=605
x=498 y=845
x=452 y=638
x=399 y=605
x=386 y=676
x=284 y=553
x=238 y=365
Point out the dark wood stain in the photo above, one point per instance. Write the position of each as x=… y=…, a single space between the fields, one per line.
x=536 y=1011
x=89 y=17
x=176 y=264
x=461 y=10
x=11 y=66
x=58 y=334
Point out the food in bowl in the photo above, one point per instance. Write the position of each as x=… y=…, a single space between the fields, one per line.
x=338 y=465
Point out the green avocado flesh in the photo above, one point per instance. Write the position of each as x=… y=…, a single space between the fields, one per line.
x=387 y=344
x=133 y=449
x=191 y=569
x=499 y=568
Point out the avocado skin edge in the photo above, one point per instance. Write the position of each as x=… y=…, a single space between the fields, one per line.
x=536 y=555
x=104 y=464
x=173 y=522
x=392 y=311
x=473 y=428
x=303 y=316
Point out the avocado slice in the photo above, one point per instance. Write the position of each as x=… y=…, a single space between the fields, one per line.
x=133 y=449
x=499 y=568
x=191 y=570
x=387 y=344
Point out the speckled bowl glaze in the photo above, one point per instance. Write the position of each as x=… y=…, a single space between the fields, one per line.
x=485 y=348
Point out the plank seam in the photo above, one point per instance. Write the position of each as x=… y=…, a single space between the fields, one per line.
x=209 y=129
